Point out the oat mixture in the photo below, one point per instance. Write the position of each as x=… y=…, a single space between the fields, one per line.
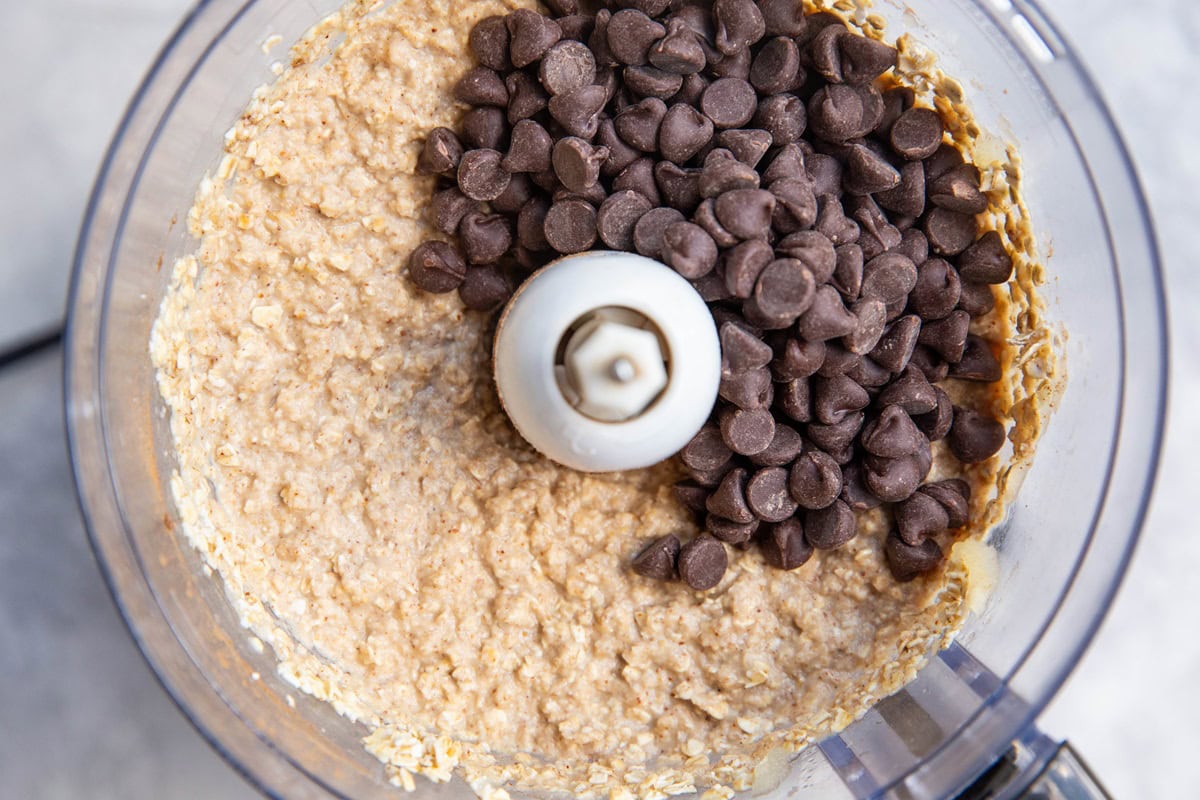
x=344 y=465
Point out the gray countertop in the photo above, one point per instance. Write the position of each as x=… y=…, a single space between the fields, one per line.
x=80 y=713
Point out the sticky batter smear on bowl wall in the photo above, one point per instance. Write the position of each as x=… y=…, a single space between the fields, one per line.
x=346 y=469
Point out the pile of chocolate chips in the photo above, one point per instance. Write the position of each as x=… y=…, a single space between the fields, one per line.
x=823 y=219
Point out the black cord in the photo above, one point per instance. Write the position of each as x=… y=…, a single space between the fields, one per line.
x=35 y=345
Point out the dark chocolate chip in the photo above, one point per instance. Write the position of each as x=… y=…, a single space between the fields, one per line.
x=825 y=172
x=679 y=186
x=567 y=66
x=974 y=437
x=889 y=277
x=530 y=149
x=949 y=232
x=795 y=207
x=488 y=42
x=484 y=288
x=896 y=101
x=617 y=217
x=986 y=261
x=871 y=314
x=868 y=172
x=573 y=25
x=652 y=82
x=836 y=398
x=936 y=423
x=724 y=173
x=831 y=438
x=816 y=479
x=679 y=52
x=782 y=17
x=825 y=52
x=738 y=24
x=830 y=527
x=838 y=361
x=794 y=399
x=787 y=163
x=480 y=176
x=577 y=163
x=893 y=479
x=729 y=499
x=976 y=299
x=631 y=33
x=827 y=317
x=893 y=435
x=833 y=222
x=783 y=116
x=744 y=264
x=729 y=102
x=689 y=250
x=783 y=450
x=658 y=560
x=947 y=337
x=747 y=145
x=648 y=232
x=917 y=134
x=746 y=213
x=811 y=248
x=706 y=217
x=638 y=126
x=639 y=176
x=525 y=97
x=767 y=495
x=748 y=390
x=485 y=238
x=530 y=36
x=518 y=192
x=930 y=363
x=578 y=111
x=776 y=67
x=571 y=226
x=702 y=563
x=954 y=495
x=732 y=66
x=707 y=450
x=907 y=562
x=937 y=291
x=692 y=496
x=441 y=153
x=784 y=289
x=835 y=113
x=620 y=154
x=481 y=86
x=848 y=271
x=683 y=133
x=784 y=546
x=854 y=489
x=958 y=190
x=911 y=391
x=908 y=197
x=747 y=432
x=978 y=363
x=919 y=517
x=896 y=346
x=869 y=374
x=448 y=208
x=730 y=532
x=864 y=59
x=797 y=359
x=484 y=128
x=436 y=267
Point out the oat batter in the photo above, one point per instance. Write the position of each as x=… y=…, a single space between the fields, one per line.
x=345 y=466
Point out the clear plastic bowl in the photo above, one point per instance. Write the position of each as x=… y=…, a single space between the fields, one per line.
x=1062 y=550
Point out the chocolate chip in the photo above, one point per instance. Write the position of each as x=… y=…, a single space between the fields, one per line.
x=895 y=347
x=783 y=116
x=728 y=501
x=658 y=560
x=878 y=234
x=906 y=562
x=838 y=361
x=782 y=17
x=954 y=496
x=978 y=363
x=949 y=232
x=919 y=517
x=868 y=172
x=797 y=359
x=679 y=186
x=908 y=197
x=749 y=390
x=947 y=337
x=917 y=134
x=893 y=435
x=574 y=25
x=730 y=532
x=767 y=495
x=577 y=163
x=706 y=217
x=746 y=213
x=530 y=36
x=567 y=66
x=848 y=271
x=974 y=437
x=571 y=226
x=743 y=265
x=825 y=172
x=709 y=478
x=707 y=450
x=830 y=527
x=783 y=450
x=448 y=208
x=747 y=432
x=691 y=496
x=896 y=101
x=480 y=176
x=689 y=250
x=617 y=217
x=679 y=52
x=598 y=41
x=784 y=545
x=702 y=563
x=787 y=163
x=825 y=52
x=795 y=207
x=986 y=261
x=638 y=126
x=683 y=133
x=864 y=59
x=832 y=221
x=484 y=288
x=481 y=86
x=827 y=317
x=832 y=438
x=652 y=82
x=518 y=192
x=488 y=42
x=837 y=397
x=854 y=489
x=785 y=288
x=724 y=173
x=871 y=314
x=936 y=423
x=958 y=190
x=484 y=128
x=578 y=111
x=813 y=249
x=525 y=97
x=693 y=88
x=729 y=102
x=631 y=34
x=894 y=479
x=531 y=224
x=738 y=24
x=639 y=176
x=485 y=237
x=937 y=291
x=911 y=392
x=530 y=149
x=930 y=363
x=649 y=231
x=816 y=479
x=436 y=267
x=889 y=277
x=794 y=399
x=441 y=153
x=776 y=68
x=747 y=145
x=976 y=298
x=872 y=102
x=835 y=113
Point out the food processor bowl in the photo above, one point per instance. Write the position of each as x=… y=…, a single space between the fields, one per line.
x=1062 y=548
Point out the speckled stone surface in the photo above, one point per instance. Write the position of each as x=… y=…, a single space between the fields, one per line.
x=80 y=713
